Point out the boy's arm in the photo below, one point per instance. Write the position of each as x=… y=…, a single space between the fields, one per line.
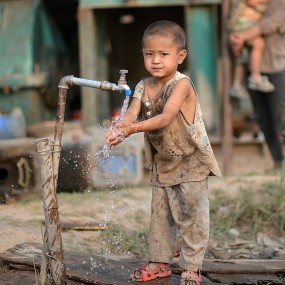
x=133 y=111
x=115 y=135
x=182 y=92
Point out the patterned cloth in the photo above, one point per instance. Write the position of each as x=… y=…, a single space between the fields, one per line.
x=180 y=152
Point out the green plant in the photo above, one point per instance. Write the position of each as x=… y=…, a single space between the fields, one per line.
x=250 y=210
x=118 y=241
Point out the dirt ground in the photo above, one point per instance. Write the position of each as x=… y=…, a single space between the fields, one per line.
x=21 y=221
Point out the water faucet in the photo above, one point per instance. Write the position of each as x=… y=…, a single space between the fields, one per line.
x=70 y=80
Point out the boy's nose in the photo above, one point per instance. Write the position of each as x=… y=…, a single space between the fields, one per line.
x=155 y=59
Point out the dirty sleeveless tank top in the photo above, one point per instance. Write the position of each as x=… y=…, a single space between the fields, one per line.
x=180 y=152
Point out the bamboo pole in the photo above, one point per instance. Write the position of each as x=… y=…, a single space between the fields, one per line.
x=52 y=224
x=44 y=261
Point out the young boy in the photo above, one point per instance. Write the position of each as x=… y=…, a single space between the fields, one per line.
x=245 y=14
x=178 y=152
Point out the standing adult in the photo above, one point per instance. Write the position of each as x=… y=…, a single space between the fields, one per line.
x=269 y=108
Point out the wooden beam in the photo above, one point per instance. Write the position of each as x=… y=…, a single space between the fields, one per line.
x=227 y=145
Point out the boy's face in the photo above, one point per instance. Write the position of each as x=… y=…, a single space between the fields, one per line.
x=161 y=56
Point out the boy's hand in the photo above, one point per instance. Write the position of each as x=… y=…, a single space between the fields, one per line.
x=117 y=133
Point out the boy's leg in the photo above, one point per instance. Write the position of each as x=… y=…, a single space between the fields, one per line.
x=189 y=205
x=162 y=239
x=162 y=228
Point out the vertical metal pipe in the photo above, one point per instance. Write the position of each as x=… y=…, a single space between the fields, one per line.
x=44 y=147
x=58 y=133
x=49 y=158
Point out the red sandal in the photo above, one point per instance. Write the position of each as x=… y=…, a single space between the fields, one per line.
x=145 y=273
x=191 y=278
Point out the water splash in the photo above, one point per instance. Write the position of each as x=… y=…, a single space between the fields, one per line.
x=105 y=151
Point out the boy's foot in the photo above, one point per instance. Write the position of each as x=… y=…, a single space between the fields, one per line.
x=238 y=91
x=151 y=271
x=191 y=278
x=262 y=84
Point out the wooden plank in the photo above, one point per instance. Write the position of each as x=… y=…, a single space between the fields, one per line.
x=92 y=269
x=244 y=279
x=20 y=277
x=236 y=266
x=82 y=226
x=249 y=266
x=82 y=267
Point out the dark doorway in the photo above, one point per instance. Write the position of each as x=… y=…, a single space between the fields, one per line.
x=125 y=28
x=63 y=14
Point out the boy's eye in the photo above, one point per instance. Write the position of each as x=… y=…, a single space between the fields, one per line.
x=164 y=53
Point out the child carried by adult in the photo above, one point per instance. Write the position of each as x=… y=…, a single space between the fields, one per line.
x=245 y=14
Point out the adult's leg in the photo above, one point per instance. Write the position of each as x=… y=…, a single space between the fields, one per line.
x=278 y=80
x=265 y=109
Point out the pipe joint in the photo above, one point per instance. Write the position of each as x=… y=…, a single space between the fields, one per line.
x=65 y=82
x=105 y=85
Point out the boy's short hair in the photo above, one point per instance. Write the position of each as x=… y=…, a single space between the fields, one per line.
x=166 y=28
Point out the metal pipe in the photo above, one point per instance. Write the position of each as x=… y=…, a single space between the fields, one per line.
x=63 y=86
x=58 y=133
x=70 y=80
x=49 y=157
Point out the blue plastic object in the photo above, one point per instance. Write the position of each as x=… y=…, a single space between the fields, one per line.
x=116 y=164
x=12 y=125
x=128 y=92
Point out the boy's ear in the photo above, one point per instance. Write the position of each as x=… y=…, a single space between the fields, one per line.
x=182 y=55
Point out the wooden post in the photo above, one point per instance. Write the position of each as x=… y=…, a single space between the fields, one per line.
x=227 y=139
x=88 y=62
x=52 y=224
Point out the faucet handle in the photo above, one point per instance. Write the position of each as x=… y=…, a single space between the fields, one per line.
x=122 y=79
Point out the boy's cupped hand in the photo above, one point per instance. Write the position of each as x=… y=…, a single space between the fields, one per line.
x=118 y=131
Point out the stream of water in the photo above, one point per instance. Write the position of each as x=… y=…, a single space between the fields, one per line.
x=105 y=151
